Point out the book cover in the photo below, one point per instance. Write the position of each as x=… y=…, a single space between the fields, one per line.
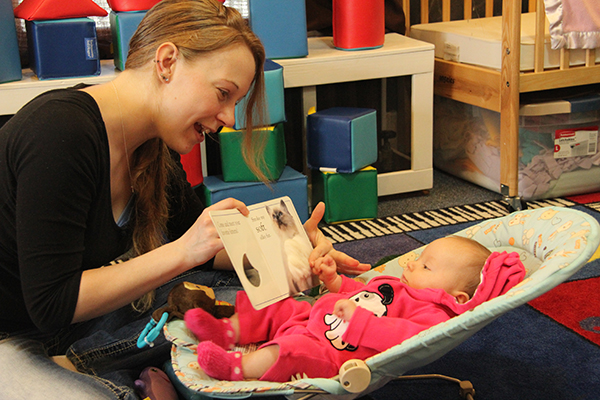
x=269 y=250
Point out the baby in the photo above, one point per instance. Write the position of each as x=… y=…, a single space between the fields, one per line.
x=355 y=320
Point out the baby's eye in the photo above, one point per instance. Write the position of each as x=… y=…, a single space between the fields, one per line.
x=224 y=94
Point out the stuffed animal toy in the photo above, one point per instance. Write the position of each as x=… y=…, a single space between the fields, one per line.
x=183 y=297
x=186 y=295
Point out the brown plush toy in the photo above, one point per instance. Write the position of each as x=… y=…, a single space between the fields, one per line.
x=186 y=295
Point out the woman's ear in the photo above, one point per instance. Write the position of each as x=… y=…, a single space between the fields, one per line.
x=166 y=57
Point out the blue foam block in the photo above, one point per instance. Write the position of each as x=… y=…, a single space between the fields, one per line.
x=122 y=28
x=342 y=139
x=281 y=26
x=63 y=48
x=291 y=183
x=10 y=61
x=274 y=97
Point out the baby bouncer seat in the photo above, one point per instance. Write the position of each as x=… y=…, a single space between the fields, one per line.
x=553 y=243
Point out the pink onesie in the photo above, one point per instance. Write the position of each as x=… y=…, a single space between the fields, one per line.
x=315 y=342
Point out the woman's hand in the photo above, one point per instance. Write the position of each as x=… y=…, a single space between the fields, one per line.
x=202 y=242
x=322 y=246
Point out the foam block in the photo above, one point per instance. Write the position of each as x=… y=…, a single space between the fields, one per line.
x=234 y=167
x=10 y=63
x=347 y=197
x=122 y=28
x=358 y=24
x=36 y=10
x=281 y=26
x=291 y=183
x=63 y=48
x=192 y=165
x=274 y=95
x=343 y=139
x=131 y=5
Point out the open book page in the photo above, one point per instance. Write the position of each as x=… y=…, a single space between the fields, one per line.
x=269 y=250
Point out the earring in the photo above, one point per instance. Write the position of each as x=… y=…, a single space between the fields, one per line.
x=165 y=78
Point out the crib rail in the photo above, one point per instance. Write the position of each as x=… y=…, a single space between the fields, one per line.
x=500 y=90
x=540 y=78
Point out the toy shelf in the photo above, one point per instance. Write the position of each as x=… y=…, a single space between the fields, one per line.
x=399 y=56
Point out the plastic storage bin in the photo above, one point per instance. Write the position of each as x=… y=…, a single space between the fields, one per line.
x=558 y=145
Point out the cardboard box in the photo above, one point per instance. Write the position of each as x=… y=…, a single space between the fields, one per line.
x=558 y=145
x=342 y=139
x=291 y=183
x=347 y=197
x=63 y=48
x=233 y=166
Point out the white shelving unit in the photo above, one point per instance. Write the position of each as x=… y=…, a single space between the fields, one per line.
x=399 y=56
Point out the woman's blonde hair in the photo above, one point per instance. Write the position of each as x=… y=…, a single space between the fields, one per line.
x=196 y=27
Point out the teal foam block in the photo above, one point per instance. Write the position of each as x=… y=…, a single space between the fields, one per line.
x=281 y=26
x=10 y=61
x=274 y=94
x=63 y=48
x=291 y=183
x=122 y=28
x=342 y=139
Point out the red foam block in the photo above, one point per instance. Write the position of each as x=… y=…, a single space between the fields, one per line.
x=36 y=10
x=131 y=5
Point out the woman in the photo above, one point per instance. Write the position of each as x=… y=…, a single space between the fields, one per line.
x=87 y=176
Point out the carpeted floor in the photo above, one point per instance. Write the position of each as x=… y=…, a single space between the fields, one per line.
x=547 y=349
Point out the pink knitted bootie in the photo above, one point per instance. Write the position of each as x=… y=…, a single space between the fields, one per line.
x=206 y=327
x=218 y=363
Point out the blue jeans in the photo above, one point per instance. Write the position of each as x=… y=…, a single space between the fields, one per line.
x=104 y=350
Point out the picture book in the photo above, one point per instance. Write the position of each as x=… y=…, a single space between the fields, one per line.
x=269 y=250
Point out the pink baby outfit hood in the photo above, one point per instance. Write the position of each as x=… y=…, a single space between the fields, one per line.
x=501 y=272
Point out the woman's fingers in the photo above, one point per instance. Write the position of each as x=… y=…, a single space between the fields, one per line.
x=230 y=204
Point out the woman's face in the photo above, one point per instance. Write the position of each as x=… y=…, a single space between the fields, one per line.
x=201 y=95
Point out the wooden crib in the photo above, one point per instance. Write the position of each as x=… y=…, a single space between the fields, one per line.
x=499 y=90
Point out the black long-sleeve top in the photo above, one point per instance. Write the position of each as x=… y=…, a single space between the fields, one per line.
x=56 y=215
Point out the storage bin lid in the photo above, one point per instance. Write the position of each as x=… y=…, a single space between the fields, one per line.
x=584 y=103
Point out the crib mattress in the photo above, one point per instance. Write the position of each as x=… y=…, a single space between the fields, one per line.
x=479 y=42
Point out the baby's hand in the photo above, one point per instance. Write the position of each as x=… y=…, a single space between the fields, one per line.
x=325 y=268
x=344 y=309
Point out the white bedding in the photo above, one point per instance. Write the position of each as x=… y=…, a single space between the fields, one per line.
x=479 y=42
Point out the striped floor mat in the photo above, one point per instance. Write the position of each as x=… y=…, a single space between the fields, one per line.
x=356 y=230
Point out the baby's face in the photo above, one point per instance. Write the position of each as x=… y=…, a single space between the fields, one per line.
x=438 y=267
